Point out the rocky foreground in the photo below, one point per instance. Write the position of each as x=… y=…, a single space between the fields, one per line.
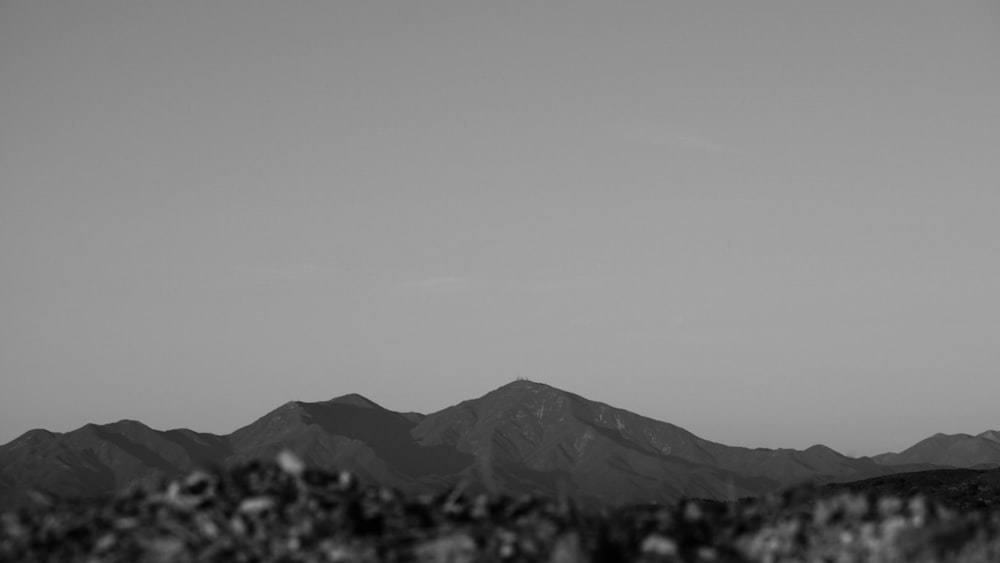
x=284 y=511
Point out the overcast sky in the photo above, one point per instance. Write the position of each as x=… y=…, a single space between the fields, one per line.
x=773 y=223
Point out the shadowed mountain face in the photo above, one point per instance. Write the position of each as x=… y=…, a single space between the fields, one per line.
x=377 y=440
x=950 y=450
x=522 y=437
x=98 y=459
x=575 y=444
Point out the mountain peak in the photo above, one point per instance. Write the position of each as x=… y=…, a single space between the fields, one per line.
x=523 y=395
x=525 y=385
x=33 y=435
x=356 y=400
x=991 y=435
x=127 y=423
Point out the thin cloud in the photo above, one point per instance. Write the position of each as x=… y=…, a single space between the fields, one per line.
x=678 y=139
x=292 y=272
x=464 y=284
x=556 y=284
x=438 y=284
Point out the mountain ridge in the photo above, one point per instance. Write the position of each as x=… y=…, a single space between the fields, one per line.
x=950 y=450
x=521 y=437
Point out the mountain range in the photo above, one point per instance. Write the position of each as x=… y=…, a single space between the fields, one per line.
x=524 y=437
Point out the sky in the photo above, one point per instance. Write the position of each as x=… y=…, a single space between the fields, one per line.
x=772 y=223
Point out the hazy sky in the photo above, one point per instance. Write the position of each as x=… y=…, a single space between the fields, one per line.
x=774 y=223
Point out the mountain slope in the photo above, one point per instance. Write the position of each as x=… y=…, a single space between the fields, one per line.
x=572 y=443
x=991 y=435
x=99 y=459
x=950 y=450
x=349 y=432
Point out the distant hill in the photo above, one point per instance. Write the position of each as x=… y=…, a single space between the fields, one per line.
x=960 y=489
x=523 y=437
x=991 y=435
x=99 y=459
x=950 y=450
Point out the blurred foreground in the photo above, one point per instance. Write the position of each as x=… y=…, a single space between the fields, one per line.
x=284 y=511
